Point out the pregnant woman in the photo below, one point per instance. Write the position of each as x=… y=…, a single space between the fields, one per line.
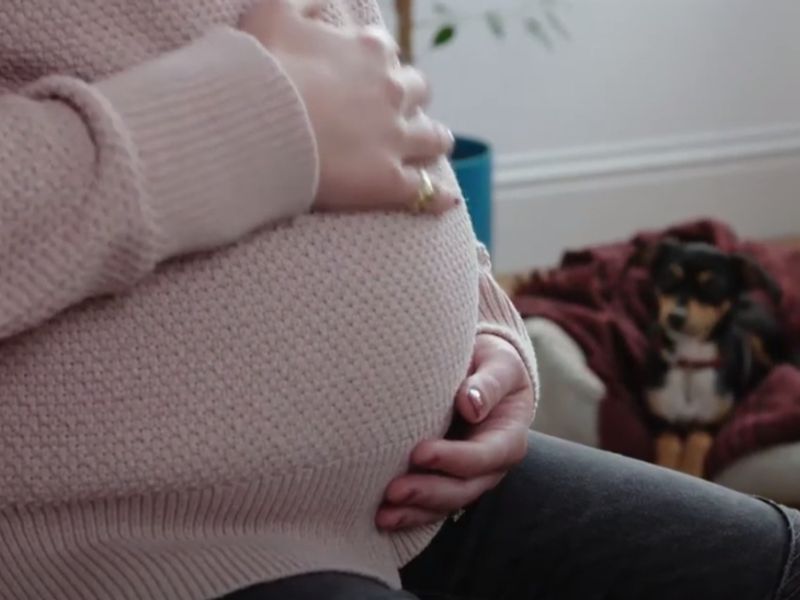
x=241 y=307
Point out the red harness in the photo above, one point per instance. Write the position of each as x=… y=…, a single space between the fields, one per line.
x=698 y=365
x=687 y=364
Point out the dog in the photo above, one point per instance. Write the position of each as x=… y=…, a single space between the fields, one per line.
x=711 y=342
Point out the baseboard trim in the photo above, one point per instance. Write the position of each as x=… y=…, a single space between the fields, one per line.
x=647 y=156
x=548 y=202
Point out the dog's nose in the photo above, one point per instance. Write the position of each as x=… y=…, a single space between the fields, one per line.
x=676 y=320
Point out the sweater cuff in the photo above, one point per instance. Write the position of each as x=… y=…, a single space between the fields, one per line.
x=223 y=138
x=497 y=316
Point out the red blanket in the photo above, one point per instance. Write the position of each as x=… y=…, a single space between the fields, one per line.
x=607 y=307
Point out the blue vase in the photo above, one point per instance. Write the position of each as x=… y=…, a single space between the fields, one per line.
x=472 y=163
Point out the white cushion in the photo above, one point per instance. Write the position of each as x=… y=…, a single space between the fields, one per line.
x=570 y=399
x=773 y=473
x=570 y=391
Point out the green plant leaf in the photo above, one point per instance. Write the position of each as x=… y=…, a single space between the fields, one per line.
x=445 y=34
x=496 y=24
x=537 y=29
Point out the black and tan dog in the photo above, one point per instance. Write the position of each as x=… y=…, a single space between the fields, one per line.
x=710 y=343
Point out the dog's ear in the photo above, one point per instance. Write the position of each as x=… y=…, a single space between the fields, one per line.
x=652 y=255
x=752 y=276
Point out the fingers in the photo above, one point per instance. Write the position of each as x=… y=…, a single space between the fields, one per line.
x=415 y=500
x=416 y=90
x=396 y=517
x=379 y=42
x=267 y=20
x=438 y=493
x=493 y=451
x=499 y=372
x=311 y=9
x=425 y=141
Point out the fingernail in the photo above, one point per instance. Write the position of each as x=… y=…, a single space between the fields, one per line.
x=476 y=398
x=451 y=139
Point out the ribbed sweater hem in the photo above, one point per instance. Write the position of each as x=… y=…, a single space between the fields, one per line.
x=202 y=544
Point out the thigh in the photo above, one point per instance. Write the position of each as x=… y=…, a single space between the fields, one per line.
x=577 y=523
x=321 y=586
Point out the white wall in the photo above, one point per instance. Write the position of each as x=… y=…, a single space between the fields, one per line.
x=655 y=111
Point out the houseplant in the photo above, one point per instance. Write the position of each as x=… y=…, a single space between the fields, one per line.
x=472 y=157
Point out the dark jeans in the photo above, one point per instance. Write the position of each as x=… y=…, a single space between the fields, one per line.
x=575 y=523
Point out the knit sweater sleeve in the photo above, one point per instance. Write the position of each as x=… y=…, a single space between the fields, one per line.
x=101 y=181
x=498 y=316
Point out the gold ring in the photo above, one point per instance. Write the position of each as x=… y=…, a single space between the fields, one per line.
x=426 y=193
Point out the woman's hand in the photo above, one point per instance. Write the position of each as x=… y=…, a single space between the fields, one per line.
x=496 y=400
x=364 y=106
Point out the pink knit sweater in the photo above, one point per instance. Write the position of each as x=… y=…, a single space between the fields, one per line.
x=176 y=430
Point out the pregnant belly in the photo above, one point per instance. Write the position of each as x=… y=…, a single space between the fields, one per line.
x=319 y=340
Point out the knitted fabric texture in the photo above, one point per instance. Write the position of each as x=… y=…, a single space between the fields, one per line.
x=178 y=424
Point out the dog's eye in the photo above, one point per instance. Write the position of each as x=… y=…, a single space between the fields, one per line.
x=710 y=288
x=705 y=278
x=709 y=283
x=671 y=277
x=676 y=271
